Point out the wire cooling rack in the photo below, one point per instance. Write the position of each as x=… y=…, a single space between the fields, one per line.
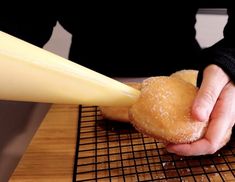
x=114 y=151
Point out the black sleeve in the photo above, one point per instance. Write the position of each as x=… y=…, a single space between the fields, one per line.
x=33 y=26
x=223 y=52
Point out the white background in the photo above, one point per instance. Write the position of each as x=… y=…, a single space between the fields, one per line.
x=209 y=30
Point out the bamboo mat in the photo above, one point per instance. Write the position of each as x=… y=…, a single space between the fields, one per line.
x=110 y=151
x=50 y=155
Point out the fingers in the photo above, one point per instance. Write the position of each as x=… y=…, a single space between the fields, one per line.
x=219 y=128
x=225 y=106
x=200 y=147
x=214 y=79
x=215 y=138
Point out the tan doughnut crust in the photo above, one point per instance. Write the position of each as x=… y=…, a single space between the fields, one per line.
x=115 y=113
x=187 y=75
x=163 y=110
x=118 y=113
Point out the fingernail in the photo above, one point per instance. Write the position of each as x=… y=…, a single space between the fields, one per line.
x=201 y=113
x=169 y=149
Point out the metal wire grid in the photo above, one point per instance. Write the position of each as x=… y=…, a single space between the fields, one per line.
x=114 y=151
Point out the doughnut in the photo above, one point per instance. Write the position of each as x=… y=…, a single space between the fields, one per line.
x=163 y=110
x=115 y=113
x=118 y=113
x=187 y=75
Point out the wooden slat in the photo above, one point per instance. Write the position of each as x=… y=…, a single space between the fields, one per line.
x=110 y=151
x=50 y=155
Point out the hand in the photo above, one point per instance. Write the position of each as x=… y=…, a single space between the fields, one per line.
x=215 y=101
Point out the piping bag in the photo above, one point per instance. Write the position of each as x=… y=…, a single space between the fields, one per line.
x=30 y=73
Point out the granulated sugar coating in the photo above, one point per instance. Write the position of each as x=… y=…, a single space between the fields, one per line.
x=163 y=110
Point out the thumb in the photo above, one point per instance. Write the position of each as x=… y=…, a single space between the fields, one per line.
x=214 y=80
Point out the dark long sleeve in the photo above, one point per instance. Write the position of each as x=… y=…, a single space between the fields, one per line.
x=132 y=40
x=35 y=26
x=223 y=52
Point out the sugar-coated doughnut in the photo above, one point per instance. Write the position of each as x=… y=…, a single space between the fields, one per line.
x=163 y=110
x=187 y=75
x=115 y=113
x=118 y=113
